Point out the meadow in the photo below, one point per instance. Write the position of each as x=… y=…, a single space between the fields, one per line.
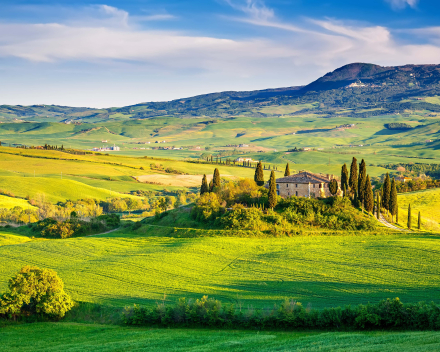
x=82 y=337
x=140 y=267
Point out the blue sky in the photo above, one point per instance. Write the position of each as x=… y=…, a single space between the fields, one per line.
x=115 y=53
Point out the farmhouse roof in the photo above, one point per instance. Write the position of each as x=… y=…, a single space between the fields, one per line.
x=304 y=177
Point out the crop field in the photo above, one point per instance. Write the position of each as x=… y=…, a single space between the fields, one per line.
x=82 y=337
x=121 y=269
x=9 y=202
x=427 y=202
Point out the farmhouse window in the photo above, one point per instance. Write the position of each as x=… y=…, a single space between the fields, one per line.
x=278 y=186
x=296 y=193
x=287 y=185
x=296 y=185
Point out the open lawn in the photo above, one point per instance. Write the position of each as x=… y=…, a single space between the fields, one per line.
x=70 y=337
x=123 y=268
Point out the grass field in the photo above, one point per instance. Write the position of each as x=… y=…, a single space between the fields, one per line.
x=427 y=202
x=10 y=202
x=122 y=269
x=72 y=337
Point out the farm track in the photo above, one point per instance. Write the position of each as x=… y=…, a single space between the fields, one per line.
x=383 y=221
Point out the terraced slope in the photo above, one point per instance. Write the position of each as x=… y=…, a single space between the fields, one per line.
x=121 y=269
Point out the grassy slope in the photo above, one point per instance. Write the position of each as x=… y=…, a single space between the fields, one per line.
x=82 y=337
x=9 y=202
x=427 y=202
x=119 y=269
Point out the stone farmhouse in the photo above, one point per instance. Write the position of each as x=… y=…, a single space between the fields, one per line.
x=305 y=184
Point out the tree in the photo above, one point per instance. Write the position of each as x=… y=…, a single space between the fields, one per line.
x=353 y=180
x=378 y=206
x=35 y=291
x=216 y=180
x=272 y=191
x=287 y=172
x=204 y=188
x=361 y=181
x=419 y=221
x=386 y=192
x=259 y=175
x=409 y=216
x=344 y=179
x=393 y=198
x=333 y=187
x=397 y=214
x=368 y=196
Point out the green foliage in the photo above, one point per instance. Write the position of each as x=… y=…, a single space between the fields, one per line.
x=368 y=196
x=204 y=188
x=289 y=315
x=409 y=217
x=419 y=221
x=216 y=180
x=353 y=180
x=398 y=126
x=333 y=186
x=207 y=208
x=378 y=200
x=35 y=291
x=272 y=197
x=386 y=196
x=362 y=180
x=259 y=174
x=287 y=172
x=393 y=198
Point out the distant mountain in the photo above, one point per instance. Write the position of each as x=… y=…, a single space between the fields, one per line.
x=358 y=86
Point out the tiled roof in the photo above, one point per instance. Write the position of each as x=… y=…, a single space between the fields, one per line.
x=304 y=177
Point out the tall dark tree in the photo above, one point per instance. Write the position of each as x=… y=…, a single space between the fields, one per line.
x=386 y=192
x=368 y=196
x=272 y=191
x=397 y=214
x=361 y=180
x=378 y=205
x=353 y=180
x=419 y=221
x=344 y=179
x=393 y=199
x=259 y=175
x=333 y=187
x=204 y=188
x=216 y=179
x=409 y=217
x=287 y=172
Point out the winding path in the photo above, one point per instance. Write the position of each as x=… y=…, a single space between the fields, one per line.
x=383 y=221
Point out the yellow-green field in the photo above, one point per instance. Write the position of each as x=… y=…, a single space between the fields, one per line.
x=123 y=268
x=10 y=202
x=427 y=202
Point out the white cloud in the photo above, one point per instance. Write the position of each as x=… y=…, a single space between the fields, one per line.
x=401 y=4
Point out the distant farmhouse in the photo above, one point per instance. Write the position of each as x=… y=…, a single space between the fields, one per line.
x=113 y=148
x=240 y=160
x=305 y=184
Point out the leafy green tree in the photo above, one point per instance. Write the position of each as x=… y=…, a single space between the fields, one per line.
x=287 y=172
x=368 y=196
x=361 y=181
x=409 y=216
x=386 y=192
x=204 y=188
x=216 y=180
x=393 y=198
x=259 y=175
x=333 y=187
x=272 y=198
x=378 y=205
x=419 y=222
x=344 y=179
x=35 y=291
x=353 y=180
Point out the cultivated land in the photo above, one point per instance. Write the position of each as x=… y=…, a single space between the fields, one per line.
x=82 y=337
x=123 y=268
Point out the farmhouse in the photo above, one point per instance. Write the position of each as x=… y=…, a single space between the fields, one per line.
x=240 y=160
x=403 y=179
x=305 y=184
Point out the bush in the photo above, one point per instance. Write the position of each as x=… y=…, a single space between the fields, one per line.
x=34 y=291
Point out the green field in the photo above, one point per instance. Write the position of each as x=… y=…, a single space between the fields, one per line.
x=82 y=337
x=10 y=202
x=121 y=269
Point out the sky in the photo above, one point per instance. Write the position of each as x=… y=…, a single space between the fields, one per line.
x=116 y=53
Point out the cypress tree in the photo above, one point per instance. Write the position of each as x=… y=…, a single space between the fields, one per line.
x=287 y=172
x=378 y=206
x=210 y=186
x=344 y=179
x=272 y=191
x=361 y=181
x=397 y=214
x=353 y=180
x=393 y=198
x=409 y=216
x=386 y=192
x=216 y=179
x=259 y=175
x=419 y=222
x=204 y=188
x=333 y=187
x=368 y=196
